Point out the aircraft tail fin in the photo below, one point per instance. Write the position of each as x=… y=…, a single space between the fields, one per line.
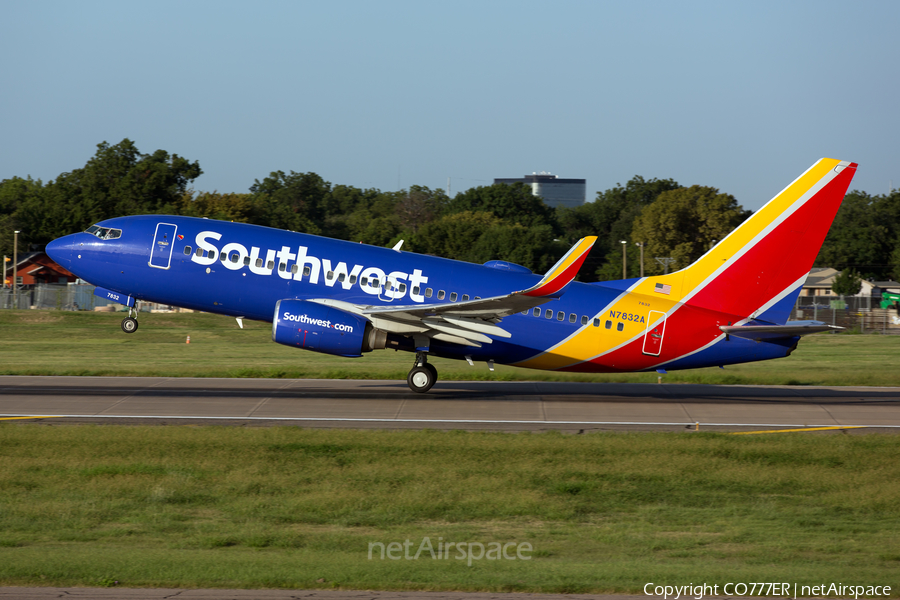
x=757 y=271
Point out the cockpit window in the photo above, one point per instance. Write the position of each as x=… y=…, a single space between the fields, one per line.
x=104 y=233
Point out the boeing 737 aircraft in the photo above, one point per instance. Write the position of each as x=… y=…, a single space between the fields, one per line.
x=731 y=306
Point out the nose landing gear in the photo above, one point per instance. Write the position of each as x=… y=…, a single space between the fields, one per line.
x=423 y=375
x=130 y=323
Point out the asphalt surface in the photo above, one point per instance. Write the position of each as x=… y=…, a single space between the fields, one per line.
x=512 y=406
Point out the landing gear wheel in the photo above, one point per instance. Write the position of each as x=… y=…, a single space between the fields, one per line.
x=431 y=368
x=420 y=379
x=129 y=324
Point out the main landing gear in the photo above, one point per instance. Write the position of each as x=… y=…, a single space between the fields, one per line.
x=129 y=323
x=423 y=375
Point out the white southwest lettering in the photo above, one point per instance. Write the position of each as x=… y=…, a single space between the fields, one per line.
x=306 y=320
x=390 y=282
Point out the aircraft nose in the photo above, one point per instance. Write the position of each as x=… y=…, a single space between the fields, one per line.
x=60 y=250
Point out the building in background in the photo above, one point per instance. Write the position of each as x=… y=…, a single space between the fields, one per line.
x=37 y=267
x=554 y=191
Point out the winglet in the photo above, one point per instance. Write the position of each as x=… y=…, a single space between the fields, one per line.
x=563 y=272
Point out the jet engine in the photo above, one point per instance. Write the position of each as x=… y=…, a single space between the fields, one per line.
x=321 y=328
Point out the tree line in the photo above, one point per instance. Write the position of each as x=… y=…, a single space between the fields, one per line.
x=488 y=222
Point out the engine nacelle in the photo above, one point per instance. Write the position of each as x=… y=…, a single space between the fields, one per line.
x=322 y=328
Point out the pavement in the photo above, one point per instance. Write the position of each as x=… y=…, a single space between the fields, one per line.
x=504 y=406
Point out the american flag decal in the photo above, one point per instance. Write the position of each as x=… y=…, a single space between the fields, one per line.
x=662 y=288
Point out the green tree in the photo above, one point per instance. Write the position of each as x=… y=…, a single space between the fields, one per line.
x=895 y=262
x=455 y=235
x=611 y=218
x=118 y=180
x=15 y=194
x=847 y=283
x=684 y=224
x=213 y=205
x=513 y=203
x=420 y=205
x=533 y=247
x=296 y=202
x=864 y=235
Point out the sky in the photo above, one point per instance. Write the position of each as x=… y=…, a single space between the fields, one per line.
x=741 y=96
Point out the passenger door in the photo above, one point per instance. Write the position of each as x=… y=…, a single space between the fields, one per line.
x=163 y=242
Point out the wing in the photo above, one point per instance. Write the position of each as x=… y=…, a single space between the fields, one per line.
x=470 y=323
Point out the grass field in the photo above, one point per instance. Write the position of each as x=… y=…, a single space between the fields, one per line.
x=293 y=508
x=69 y=343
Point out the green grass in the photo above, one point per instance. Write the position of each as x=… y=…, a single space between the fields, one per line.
x=68 y=343
x=287 y=507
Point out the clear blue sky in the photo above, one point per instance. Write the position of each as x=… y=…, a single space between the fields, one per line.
x=743 y=96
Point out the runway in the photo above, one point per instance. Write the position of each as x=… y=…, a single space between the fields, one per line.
x=476 y=405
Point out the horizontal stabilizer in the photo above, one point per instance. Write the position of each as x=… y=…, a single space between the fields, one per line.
x=773 y=332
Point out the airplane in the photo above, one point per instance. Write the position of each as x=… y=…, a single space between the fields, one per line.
x=346 y=299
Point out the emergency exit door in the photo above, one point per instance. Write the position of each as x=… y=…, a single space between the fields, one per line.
x=656 y=328
x=163 y=242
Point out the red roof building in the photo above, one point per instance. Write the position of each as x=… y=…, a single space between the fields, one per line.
x=37 y=267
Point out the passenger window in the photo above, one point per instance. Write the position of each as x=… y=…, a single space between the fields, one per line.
x=525 y=312
x=235 y=257
x=620 y=326
x=258 y=263
x=466 y=299
x=246 y=260
x=282 y=267
x=536 y=312
x=609 y=324
x=415 y=291
x=270 y=265
x=560 y=316
x=188 y=250
x=572 y=317
x=584 y=319
x=294 y=268
x=440 y=294
x=330 y=275
x=306 y=270
x=548 y=314
x=342 y=277
x=452 y=296
x=363 y=281
x=222 y=256
x=402 y=288
x=596 y=322
x=200 y=252
x=428 y=292
x=211 y=254
x=352 y=279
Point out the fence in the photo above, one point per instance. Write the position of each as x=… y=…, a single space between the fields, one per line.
x=862 y=313
x=46 y=296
